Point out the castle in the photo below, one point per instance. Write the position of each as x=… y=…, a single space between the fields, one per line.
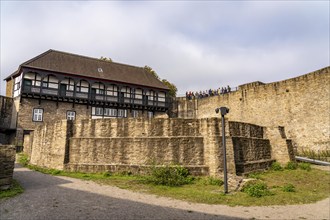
x=58 y=106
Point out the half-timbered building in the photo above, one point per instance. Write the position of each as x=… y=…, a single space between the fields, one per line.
x=57 y=85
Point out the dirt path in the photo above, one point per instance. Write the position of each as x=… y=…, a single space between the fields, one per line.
x=49 y=197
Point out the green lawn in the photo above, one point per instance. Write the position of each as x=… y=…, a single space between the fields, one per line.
x=286 y=187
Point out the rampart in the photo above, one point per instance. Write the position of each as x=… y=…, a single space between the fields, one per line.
x=300 y=105
x=98 y=145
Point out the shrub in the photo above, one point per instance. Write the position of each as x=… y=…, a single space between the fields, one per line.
x=291 y=165
x=107 y=174
x=126 y=173
x=305 y=166
x=169 y=175
x=276 y=166
x=288 y=188
x=256 y=189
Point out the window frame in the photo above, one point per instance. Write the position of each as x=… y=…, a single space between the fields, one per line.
x=99 y=111
x=68 y=117
x=37 y=114
x=122 y=113
x=150 y=114
x=135 y=113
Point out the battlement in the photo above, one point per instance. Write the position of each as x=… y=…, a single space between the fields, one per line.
x=299 y=104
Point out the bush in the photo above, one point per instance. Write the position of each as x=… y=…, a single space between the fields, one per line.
x=107 y=174
x=256 y=189
x=291 y=165
x=125 y=173
x=288 y=188
x=276 y=166
x=169 y=176
x=305 y=166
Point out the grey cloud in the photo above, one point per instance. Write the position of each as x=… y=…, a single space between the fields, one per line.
x=196 y=45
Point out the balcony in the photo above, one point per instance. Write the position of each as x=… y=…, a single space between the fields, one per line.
x=94 y=99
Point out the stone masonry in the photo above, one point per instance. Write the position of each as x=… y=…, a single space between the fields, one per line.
x=7 y=161
x=300 y=105
x=8 y=116
x=100 y=145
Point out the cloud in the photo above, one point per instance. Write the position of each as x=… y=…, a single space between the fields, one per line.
x=196 y=45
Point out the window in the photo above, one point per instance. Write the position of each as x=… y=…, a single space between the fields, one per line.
x=161 y=96
x=150 y=114
x=135 y=113
x=98 y=111
x=98 y=88
x=112 y=90
x=82 y=86
x=69 y=84
x=50 y=82
x=127 y=91
x=38 y=114
x=110 y=112
x=138 y=93
x=122 y=113
x=150 y=95
x=36 y=78
x=70 y=115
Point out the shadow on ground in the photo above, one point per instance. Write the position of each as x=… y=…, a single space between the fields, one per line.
x=44 y=198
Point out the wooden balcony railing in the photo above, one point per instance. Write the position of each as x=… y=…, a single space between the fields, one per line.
x=37 y=90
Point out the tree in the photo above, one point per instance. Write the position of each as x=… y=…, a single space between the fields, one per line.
x=171 y=86
x=106 y=59
x=153 y=72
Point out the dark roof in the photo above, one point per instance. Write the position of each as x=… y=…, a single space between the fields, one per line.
x=62 y=62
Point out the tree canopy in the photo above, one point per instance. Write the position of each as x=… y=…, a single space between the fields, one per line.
x=106 y=59
x=171 y=86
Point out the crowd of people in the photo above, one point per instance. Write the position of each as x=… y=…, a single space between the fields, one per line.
x=207 y=93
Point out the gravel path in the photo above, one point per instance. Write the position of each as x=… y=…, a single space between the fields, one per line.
x=49 y=197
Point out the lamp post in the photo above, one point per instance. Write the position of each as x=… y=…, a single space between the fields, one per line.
x=223 y=112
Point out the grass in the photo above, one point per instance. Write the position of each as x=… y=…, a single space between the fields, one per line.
x=286 y=186
x=12 y=191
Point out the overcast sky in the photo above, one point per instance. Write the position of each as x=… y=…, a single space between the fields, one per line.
x=195 y=45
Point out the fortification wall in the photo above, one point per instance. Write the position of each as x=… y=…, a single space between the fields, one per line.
x=7 y=161
x=7 y=113
x=300 y=105
x=97 y=145
x=49 y=144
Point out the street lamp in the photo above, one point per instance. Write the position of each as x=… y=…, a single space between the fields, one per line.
x=223 y=111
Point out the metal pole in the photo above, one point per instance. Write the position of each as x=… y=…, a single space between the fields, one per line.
x=224 y=154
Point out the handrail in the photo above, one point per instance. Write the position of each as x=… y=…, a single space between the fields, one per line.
x=319 y=162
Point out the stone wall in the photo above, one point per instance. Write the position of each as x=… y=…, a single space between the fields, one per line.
x=97 y=145
x=7 y=162
x=9 y=88
x=300 y=105
x=49 y=145
x=8 y=115
x=53 y=111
